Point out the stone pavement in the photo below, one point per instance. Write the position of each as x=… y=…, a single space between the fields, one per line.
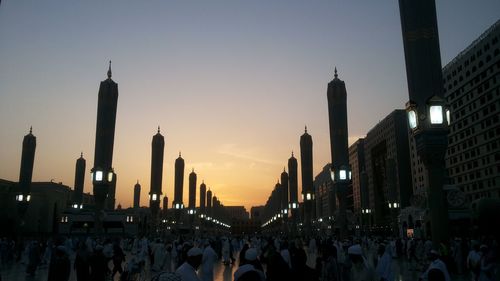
x=16 y=272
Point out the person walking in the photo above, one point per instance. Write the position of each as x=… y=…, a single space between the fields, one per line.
x=384 y=264
x=81 y=264
x=60 y=266
x=361 y=269
x=98 y=265
x=118 y=259
x=187 y=270
x=207 y=262
x=436 y=263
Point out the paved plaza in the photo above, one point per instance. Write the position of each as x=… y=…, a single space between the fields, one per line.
x=16 y=272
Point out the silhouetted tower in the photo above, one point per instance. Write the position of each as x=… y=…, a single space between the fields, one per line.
x=427 y=108
x=179 y=183
x=293 y=206
x=137 y=195
x=23 y=195
x=203 y=197
x=209 y=202
x=340 y=171
x=192 y=193
x=79 y=181
x=284 y=192
x=103 y=176
x=165 y=206
x=157 y=148
x=306 y=161
x=215 y=207
x=293 y=185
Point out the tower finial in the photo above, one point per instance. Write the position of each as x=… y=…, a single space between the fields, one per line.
x=179 y=154
x=109 y=70
x=137 y=181
x=81 y=154
x=31 y=129
x=158 y=129
x=192 y=171
x=284 y=169
x=335 y=74
x=306 y=129
x=292 y=153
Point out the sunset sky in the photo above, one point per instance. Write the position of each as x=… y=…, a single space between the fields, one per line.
x=231 y=83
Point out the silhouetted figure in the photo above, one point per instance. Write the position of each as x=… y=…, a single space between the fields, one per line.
x=60 y=265
x=33 y=258
x=436 y=275
x=118 y=258
x=277 y=268
x=242 y=254
x=300 y=270
x=187 y=270
x=82 y=265
x=98 y=265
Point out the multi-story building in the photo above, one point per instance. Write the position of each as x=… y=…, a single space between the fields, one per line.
x=387 y=163
x=357 y=163
x=472 y=90
x=471 y=87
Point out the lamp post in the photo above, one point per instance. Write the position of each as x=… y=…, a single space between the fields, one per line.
x=428 y=117
x=341 y=178
x=101 y=179
x=393 y=209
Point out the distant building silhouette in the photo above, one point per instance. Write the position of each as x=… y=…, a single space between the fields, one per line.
x=203 y=197
x=137 y=195
x=306 y=161
x=79 y=181
x=179 y=183
x=209 y=202
x=192 y=191
x=104 y=178
x=157 y=148
x=337 y=115
x=27 y=163
x=284 y=192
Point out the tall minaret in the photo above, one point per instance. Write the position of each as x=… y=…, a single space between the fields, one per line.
x=284 y=193
x=103 y=176
x=165 y=206
x=215 y=207
x=137 y=195
x=209 y=202
x=306 y=161
x=203 y=197
x=340 y=171
x=192 y=193
x=293 y=185
x=157 y=147
x=179 y=183
x=79 y=181
x=23 y=195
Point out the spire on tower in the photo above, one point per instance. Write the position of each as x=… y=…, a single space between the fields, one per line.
x=292 y=153
x=335 y=73
x=109 y=70
x=81 y=154
x=158 y=129
x=306 y=129
x=179 y=154
x=31 y=129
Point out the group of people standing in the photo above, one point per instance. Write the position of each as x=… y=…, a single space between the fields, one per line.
x=255 y=258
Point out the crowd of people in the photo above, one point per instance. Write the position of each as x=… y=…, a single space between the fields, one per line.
x=255 y=258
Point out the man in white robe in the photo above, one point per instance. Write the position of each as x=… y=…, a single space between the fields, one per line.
x=207 y=263
x=187 y=270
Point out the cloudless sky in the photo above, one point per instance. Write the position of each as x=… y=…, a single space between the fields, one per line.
x=231 y=83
